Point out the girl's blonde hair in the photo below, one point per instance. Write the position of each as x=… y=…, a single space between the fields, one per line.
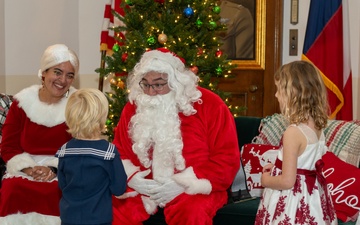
x=302 y=88
x=86 y=112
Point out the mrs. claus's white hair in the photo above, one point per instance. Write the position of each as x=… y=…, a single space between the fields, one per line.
x=56 y=54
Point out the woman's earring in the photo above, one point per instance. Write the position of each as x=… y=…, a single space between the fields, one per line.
x=67 y=93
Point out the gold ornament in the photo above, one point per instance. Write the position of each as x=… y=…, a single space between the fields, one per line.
x=162 y=38
x=113 y=81
x=121 y=84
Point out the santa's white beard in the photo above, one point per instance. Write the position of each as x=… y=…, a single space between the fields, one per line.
x=156 y=125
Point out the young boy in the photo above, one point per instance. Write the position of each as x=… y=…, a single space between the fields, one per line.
x=90 y=170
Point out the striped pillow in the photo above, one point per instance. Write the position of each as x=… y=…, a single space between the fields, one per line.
x=271 y=130
x=343 y=139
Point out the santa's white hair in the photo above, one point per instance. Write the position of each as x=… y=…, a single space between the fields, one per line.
x=181 y=80
x=156 y=123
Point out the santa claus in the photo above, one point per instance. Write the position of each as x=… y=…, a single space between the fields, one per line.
x=177 y=142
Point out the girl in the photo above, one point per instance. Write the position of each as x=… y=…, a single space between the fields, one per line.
x=295 y=191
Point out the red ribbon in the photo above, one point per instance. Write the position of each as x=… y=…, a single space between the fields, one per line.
x=310 y=175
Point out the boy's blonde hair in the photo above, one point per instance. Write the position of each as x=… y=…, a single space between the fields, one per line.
x=86 y=112
x=303 y=89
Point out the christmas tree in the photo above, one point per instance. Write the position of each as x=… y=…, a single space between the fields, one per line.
x=189 y=28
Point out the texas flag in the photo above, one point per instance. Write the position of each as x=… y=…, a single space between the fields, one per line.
x=107 y=35
x=327 y=46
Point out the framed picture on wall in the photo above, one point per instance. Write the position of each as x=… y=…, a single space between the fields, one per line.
x=244 y=39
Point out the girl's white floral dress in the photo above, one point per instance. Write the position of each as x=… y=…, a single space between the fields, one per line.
x=308 y=202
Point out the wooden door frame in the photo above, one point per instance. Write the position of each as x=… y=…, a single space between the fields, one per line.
x=274 y=18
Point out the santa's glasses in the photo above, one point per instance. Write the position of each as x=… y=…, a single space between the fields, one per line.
x=156 y=87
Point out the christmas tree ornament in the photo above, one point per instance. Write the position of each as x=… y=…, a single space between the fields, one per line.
x=113 y=81
x=200 y=51
x=121 y=74
x=121 y=84
x=188 y=12
x=162 y=38
x=213 y=25
x=151 y=40
x=115 y=47
x=217 y=9
x=194 y=69
x=129 y=2
x=198 y=23
x=124 y=56
x=218 y=53
x=219 y=71
x=108 y=122
x=160 y=1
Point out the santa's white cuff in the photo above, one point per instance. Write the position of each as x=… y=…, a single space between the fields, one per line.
x=52 y=162
x=192 y=184
x=149 y=205
x=129 y=167
x=19 y=162
x=127 y=195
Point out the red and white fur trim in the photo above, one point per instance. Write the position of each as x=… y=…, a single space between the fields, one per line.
x=25 y=160
x=29 y=101
x=192 y=184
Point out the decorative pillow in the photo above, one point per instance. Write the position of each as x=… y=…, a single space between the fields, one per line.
x=271 y=130
x=254 y=157
x=343 y=139
x=343 y=180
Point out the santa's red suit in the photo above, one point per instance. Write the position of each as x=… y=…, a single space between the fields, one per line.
x=32 y=133
x=211 y=154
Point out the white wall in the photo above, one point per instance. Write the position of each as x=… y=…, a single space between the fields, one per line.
x=354 y=19
x=31 y=26
x=28 y=27
x=2 y=46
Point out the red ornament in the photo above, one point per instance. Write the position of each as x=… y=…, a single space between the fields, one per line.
x=121 y=74
x=124 y=57
x=160 y=1
x=218 y=53
x=194 y=69
x=200 y=51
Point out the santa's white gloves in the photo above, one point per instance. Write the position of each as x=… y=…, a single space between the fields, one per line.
x=142 y=185
x=167 y=191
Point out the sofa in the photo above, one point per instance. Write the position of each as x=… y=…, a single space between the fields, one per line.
x=254 y=130
x=343 y=138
